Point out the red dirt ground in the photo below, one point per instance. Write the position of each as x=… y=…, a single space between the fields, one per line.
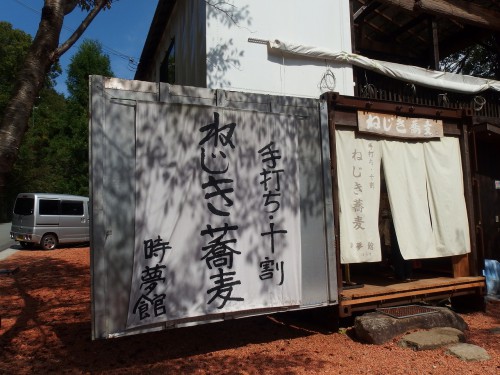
x=46 y=322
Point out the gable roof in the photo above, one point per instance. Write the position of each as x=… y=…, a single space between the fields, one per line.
x=160 y=19
x=391 y=30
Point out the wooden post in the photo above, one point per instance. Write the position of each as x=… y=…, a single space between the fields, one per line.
x=472 y=263
x=333 y=161
x=435 y=43
x=460 y=265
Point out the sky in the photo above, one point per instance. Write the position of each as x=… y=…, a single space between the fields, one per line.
x=122 y=31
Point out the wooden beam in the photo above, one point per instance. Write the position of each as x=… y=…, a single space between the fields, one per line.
x=462 y=11
x=410 y=25
x=341 y=102
x=408 y=5
x=390 y=52
x=426 y=292
x=435 y=43
x=365 y=10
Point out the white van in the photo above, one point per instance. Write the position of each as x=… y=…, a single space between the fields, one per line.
x=50 y=219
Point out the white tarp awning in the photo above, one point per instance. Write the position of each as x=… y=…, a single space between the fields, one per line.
x=430 y=78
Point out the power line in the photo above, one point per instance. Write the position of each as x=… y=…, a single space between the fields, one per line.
x=27 y=6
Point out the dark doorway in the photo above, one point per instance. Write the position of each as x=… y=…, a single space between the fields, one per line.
x=487 y=189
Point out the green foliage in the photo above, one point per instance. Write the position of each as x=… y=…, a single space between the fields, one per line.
x=53 y=156
x=44 y=151
x=13 y=47
x=38 y=168
x=88 y=4
x=479 y=60
x=89 y=59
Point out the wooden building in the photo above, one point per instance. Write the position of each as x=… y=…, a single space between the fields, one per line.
x=422 y=33
x=185 y=38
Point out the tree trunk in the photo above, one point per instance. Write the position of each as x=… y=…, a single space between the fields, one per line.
x=32 y=75
x=43 y=53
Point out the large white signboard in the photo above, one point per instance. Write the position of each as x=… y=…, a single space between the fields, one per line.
x=217 y=215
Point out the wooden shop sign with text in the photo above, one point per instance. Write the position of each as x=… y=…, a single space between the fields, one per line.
x=398 y=126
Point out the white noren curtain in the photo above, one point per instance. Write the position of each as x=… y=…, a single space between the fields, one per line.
x=358 y=160
x=405 y=176
x=446 y=196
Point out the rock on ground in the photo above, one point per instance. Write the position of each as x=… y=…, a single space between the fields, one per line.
x=468 y=352
x=432 y=339
x=378 y=328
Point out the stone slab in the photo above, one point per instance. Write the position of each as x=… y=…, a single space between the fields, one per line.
x=468 y=352
x=432 y=339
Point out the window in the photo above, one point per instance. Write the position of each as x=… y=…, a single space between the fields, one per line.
x=49 y=207
x=24 y=206
x=72 y=208
x=167 y=67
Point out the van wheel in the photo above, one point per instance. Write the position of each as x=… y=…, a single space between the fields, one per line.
x=49 y=242
x=26 y=245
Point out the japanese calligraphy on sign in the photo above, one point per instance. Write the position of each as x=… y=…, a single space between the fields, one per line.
x=270 y=181
x=220 y=250
x=359 y=187
x=151 y=302
x=398 y=126
x=215 y=230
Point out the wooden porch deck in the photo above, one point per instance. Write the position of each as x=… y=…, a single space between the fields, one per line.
x=382 y=291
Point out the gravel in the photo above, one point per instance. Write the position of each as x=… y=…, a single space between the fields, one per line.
x=46 y=323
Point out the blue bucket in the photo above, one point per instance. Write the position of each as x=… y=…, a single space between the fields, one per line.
x=492 y=274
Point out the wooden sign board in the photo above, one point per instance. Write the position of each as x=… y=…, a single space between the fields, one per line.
x=398 y=126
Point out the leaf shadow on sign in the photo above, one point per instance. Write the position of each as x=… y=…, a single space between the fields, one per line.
x=164 y=184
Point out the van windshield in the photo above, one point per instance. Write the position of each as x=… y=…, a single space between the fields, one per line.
x=24 y=206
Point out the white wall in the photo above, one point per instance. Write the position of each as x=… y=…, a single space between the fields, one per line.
x=235 y=64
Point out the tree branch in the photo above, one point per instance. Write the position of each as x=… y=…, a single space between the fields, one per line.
x=70 y=6
x=229 y=12
x=80 y=30
x=219 y=6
